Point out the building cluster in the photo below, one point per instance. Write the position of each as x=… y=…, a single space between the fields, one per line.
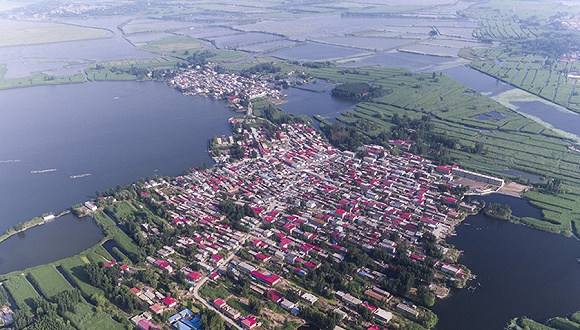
x=307 y=200
x=224 y=86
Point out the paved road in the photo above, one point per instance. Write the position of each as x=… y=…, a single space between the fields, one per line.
x=202 y=282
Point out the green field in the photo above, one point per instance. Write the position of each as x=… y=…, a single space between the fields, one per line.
x=37 y=80
x=21 y=291
x=174 y=44
x=48 y=280
x=544 y=76
x=19 y=33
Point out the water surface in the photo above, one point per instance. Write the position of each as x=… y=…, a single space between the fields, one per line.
x=520 y=271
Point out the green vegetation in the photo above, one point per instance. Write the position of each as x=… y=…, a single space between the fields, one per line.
x=173 y=45
x=497 y=210
x=119 y=236
x=557 y=323
x=543 y=75
x=358 y=91
x=38 y=79
x=84 y=316
x=48 y=280
x=72 y=268
x=21 y=291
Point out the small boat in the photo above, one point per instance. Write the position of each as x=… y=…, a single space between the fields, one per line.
x=43 y=171
x=78 y=176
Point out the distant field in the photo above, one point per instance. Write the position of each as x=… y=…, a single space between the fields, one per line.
x=19 y=33
x=173 y=44
x=540 y=75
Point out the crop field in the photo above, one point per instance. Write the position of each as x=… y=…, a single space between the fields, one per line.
x=49 y=280
x=21 y=291
x=19 y=33
x=173 y=44
x=544 y=77
x=542 y=9
x=153 y=25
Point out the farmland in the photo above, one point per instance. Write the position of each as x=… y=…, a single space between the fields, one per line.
x=544 y=76
x=48 y=280
x=17 y=33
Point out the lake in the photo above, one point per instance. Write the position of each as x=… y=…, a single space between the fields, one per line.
x=48 y=243
x=315 y=101
x=117 y=132
x=520 y=271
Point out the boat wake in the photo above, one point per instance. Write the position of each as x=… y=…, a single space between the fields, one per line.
x=43 y=171
x=78 y=176
x=10 y=161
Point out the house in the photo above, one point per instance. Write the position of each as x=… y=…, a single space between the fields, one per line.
x=407 y=310
x=169 y=302
x=271 y=279
x=146 y=325
x=156 y=308
x=91 y=206
x=275 y=295
x=348 y=299
x=219 y=303
x=383 y=316
x=287 y=304
x=246 y=267
x=450 y=269
x=194 y=276
x=249 y=323
x=309 y=298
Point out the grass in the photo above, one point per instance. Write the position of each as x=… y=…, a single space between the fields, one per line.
x=49 y=280
x=19 y=33
x=120 y=211
x=73 y=269
x=130 y=249
x=39 y=79
x=211 y=291
x=84 y=316
x=174 y=44
x=21 y=291
x=243 y=308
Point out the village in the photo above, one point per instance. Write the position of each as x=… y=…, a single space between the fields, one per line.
x=266 y=227
x=225 y=86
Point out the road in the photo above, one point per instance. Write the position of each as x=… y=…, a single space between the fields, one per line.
x=203 y=280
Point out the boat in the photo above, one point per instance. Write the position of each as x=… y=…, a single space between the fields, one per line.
x=78 y=176
x=43 y=171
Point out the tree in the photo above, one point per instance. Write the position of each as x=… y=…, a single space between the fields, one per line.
x=255 y=305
